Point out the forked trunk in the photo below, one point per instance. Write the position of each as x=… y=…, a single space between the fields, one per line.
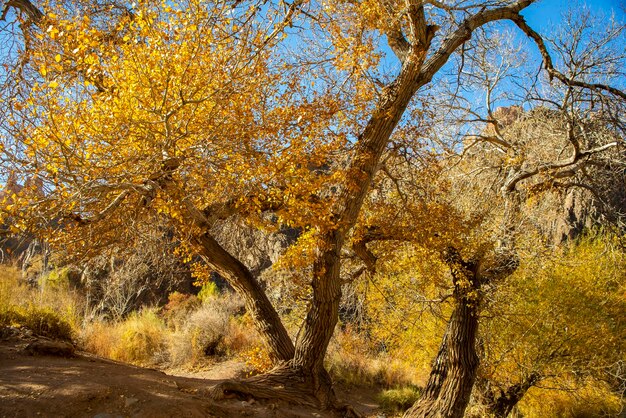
x=501 y=405
x=453 y=374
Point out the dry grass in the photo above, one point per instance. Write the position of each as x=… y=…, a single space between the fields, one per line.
x=187 y=333
x=139 y=339
x=396 y=401
x=209 y=331
x=352 y=361
x=54 y=312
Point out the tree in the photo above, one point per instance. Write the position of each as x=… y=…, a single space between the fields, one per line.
x=196 y=112
x=570 y=142
x=576 y=292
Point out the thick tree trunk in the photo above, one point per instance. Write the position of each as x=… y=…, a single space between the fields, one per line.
x=453 y=374
x=320 y=321
x=454 y=370
x=323 y=312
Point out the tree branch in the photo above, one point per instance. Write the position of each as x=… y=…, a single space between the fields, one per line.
x=549 y=66
x=24 y=6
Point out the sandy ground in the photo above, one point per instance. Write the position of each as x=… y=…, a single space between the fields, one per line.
x=89 y=386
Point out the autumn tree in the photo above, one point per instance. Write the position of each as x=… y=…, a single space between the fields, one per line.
x=556 y=323
x=195 y=112
x=567 y=149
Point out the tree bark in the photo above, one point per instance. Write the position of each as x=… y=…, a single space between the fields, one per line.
x=264 y=316
x=502 y=405
x=453 y=373
x=323 y=313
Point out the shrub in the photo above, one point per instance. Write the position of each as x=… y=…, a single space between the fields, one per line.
x=41 y=321
x=351 y=360
x=56 y=279
x=241 y=335
x=49 y=312
x=398 y=400
x=142 y=338
x=206 y=332
x=178 y=308
x=99 y=337
x=591 y=399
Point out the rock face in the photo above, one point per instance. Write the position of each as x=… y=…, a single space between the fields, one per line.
x=560 y=203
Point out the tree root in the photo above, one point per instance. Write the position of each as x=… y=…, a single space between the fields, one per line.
x=289 y=385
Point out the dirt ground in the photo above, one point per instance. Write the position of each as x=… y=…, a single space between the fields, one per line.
x=88 y=386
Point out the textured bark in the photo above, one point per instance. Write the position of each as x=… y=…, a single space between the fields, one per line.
x=502 y=404
x=453 y=373
x=24 y=6
x=454 y=370
x=258 y=305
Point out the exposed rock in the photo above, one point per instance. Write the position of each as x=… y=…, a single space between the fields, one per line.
x=50 y=348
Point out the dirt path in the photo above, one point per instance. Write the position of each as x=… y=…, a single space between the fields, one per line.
x=88 y=386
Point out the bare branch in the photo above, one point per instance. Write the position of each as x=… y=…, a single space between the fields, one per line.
x=103 y=213
x=549 y=66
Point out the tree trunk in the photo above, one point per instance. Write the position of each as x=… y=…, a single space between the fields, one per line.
x=502 y=405
x=453 y=374
x=321 y=320
x=257 y=304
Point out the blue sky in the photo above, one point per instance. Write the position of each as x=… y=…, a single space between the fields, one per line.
x=548 y=12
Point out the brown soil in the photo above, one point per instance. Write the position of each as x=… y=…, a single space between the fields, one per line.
x=88 y=386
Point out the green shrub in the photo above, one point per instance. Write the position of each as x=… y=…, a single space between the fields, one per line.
x=56 y=279
x=41 y=321
x=398 y=400
x=209 y=291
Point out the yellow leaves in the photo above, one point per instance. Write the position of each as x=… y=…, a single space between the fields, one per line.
x=187 y=89
x=52 y=168
x=52 y=31
x=91 y=59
